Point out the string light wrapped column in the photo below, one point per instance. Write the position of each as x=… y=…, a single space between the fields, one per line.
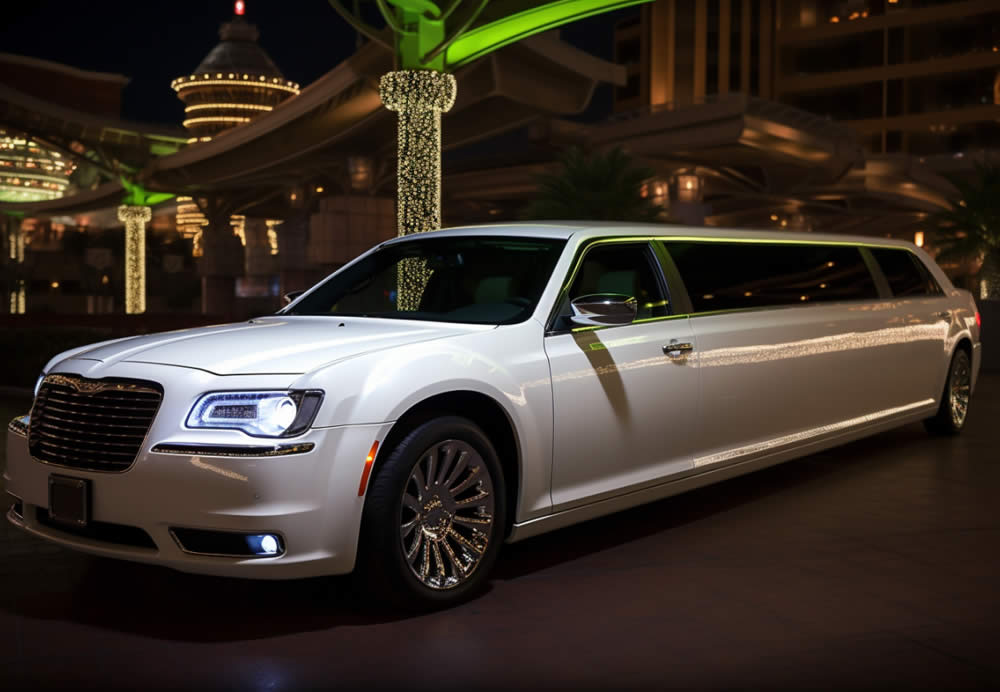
x=135 y=219
x=419 y=97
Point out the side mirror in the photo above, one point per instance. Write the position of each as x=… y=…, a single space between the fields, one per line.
x=603 y=310
x=291 y=296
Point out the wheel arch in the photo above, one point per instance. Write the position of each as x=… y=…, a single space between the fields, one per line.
x=483 y=410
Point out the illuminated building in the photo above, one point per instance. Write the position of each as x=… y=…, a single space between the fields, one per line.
x=236 y=82
x=908 y=76
x=190 y=222
x=30 y=172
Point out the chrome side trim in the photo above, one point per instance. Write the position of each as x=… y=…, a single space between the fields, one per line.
x=777 y=443
x=19 y=426
x=698 y=478
x=233 y=450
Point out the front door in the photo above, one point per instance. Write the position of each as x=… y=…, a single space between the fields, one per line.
x=624 y=402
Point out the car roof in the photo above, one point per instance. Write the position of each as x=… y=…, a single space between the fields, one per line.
x=586 y=230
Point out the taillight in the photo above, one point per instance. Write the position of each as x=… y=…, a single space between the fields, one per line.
x=979 y=320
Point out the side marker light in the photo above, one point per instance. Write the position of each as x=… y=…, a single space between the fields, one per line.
x=368 y=468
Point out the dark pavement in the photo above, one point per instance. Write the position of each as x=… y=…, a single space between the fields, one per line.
x=871 y=566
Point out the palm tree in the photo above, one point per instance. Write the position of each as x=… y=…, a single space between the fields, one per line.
x=598 y=187
x=970 y=230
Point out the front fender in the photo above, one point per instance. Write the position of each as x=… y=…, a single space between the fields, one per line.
x=507 y=364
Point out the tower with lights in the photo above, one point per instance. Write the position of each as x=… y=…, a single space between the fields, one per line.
x=236 y=82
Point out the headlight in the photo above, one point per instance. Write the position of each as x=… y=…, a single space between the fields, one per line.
x=38 y=384
x=261 y=414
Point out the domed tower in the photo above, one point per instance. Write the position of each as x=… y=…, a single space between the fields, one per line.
x=236 y=82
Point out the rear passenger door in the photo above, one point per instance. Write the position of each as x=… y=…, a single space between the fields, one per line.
x=919 y=312
x=784 y=334
x=624 y=402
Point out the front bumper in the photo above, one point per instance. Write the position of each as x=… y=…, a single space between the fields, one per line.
x=310 y=499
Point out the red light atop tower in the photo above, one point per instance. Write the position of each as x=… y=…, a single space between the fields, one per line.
x=240 y=7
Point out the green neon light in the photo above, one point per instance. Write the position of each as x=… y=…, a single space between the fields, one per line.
x=489 y=37
x=138 y=196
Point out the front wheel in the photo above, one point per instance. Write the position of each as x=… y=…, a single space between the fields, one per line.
x=434 y=517
x=954 y=408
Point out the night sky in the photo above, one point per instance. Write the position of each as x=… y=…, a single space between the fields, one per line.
x=153 y=43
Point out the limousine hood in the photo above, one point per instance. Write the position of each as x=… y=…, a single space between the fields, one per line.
x=271 y=345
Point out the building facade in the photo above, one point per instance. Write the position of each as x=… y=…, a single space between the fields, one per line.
x=909 y=76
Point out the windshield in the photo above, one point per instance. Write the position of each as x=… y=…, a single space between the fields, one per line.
x=472 y=279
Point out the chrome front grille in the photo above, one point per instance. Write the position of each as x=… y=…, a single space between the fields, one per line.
x=98 y=425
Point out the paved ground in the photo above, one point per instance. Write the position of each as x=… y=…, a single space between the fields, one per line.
x=873 y=566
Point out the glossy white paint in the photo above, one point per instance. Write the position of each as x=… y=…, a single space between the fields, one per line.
x=603 y=419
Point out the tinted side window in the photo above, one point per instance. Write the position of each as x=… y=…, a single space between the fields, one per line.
x=907 y=275
x=727 y=276
x=626 y=269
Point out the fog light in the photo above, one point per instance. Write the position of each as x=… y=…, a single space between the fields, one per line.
x=265 y=544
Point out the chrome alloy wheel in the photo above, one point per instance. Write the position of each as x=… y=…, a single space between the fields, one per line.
x=447 y=512
x=960 y=385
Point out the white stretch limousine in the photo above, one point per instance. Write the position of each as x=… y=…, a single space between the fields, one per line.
x=449 y=391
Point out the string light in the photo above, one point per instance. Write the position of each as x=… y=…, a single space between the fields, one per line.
x=181 y=83
x=245 y=106
x=419 y=97
x=135 y=219
x=30 y=173
x=272 y=234
x=216 y=119
x=190 y=223
x=239 y=224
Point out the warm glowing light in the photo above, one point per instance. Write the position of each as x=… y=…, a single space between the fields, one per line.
x=292 y=196
x=748 y=294
x=240 y=8
x=105 y=280
x=784 y=223
x=918 y=238
x=216 y=119
x=135 y=218
x=774 y=217
x=272 y=234
x=834 y=20
x=243 y=106
x=180 y=84
x=239 y=224
x=369 y=460
x=803 y=297
x=54 y=284
x=319 y=188
x=822 y=285
x=419 y=97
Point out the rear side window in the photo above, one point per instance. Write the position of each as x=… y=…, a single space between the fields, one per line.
x=907 y=275
x=732 y=276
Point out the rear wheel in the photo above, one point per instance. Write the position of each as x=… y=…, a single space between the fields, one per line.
x=954 y=408
x=434 y=516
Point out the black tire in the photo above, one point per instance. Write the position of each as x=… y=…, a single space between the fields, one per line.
x=949 y=419
x=383 y=568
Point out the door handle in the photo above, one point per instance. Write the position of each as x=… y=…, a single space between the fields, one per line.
x=943 y=315
x=678 y=349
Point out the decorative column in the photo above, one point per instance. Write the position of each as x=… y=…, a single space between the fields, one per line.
x=420 y=97
x=135 y=219
x=15 y=247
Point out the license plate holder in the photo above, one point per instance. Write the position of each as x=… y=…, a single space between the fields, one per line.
x=69 y=500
